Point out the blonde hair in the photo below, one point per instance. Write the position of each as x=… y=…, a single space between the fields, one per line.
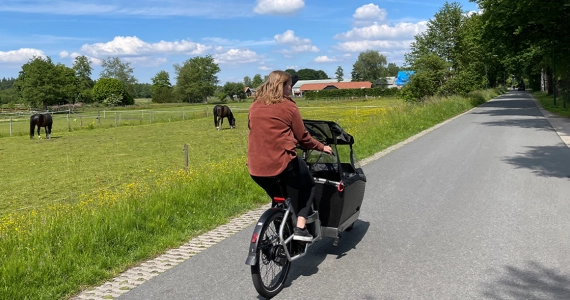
x=271 y=91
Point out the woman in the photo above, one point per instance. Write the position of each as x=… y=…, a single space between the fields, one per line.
x=276 y=127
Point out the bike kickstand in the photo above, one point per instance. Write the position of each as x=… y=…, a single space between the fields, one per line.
x=335 y=243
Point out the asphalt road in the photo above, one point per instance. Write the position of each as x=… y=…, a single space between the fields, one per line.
x=476 y=209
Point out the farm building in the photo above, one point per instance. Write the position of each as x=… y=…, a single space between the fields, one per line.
x=390 y=83
x=297 y=87
x=249 y=92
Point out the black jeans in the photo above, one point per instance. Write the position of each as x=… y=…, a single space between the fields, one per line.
x=298 y=177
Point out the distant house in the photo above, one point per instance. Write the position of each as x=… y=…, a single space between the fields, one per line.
x=249 y=92
x=297 y=86
x=389 y=83
x=335 y=85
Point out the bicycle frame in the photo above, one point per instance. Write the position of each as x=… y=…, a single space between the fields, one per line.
x=312 y=220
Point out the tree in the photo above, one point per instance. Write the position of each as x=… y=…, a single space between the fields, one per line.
x=392 y=70
x=310 y=74
x=142 y=90
x=196 y=79
x=111 y=92
x=370 y=66
x=339 y=74
x=82 y=68
x=234 y=88
x=161 y=88
x=41 y=83
x=449 y=57
x=291 y=72
x=113 y=67
x=247 y=81
x=8 y=92
x=528 y=36
x=257 y=81
x=444 y=36
x=431 y=73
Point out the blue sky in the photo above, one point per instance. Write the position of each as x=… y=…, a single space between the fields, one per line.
x=245 y=37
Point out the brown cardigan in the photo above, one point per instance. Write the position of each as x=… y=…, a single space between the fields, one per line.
x=275 y=130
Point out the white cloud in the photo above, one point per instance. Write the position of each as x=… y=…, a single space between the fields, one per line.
x=292 y=67
x=289 y=38
x=368 y=14
x=361 y=46
x=132 y=45
x=236 y=56
x=264 y=68
x=278 y=7
x=20 y=55
x=297 y=44
x=325 y=59
x=473 y=12
x=376 y=31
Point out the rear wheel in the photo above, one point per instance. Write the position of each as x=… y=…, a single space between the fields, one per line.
x=270 y=271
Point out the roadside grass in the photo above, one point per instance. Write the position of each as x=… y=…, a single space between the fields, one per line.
x=547 y=102
x=142 y=202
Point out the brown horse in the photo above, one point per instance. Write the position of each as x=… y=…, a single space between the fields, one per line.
x=40 y=120
x=221 y=112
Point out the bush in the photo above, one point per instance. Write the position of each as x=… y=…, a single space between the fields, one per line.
x=107 y=87
x=347 y=93
x=162 y=95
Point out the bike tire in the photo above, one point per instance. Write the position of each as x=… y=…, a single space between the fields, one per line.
x=272 y=267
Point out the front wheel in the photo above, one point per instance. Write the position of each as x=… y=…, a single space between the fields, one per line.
x=270 y=271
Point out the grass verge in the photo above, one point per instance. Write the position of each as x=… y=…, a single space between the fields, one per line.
x=547 y=102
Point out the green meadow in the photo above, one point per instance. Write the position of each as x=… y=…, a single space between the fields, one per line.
x=82 y=207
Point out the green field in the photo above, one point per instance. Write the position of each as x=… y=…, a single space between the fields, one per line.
x=79 y=160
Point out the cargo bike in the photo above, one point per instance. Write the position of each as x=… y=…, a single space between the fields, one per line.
x=339 y=191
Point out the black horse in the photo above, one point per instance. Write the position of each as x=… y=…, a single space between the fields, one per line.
x=221 y=112
x=40 y=120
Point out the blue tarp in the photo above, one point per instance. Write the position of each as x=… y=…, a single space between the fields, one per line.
x=403 y=77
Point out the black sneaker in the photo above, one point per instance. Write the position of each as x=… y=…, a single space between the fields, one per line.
x=302 y=235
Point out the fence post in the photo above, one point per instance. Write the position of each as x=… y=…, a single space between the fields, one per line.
x=186 y=157
x=68 y=125
x=10 y=126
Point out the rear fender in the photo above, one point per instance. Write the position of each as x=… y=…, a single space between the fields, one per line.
x=252 y=254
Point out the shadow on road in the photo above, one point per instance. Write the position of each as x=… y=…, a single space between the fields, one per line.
x=532 y=281
x=505 y=107
x=541 y=124
x=548 y=161
x=309 y=264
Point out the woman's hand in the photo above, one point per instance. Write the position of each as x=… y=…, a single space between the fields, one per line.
x=328 y=149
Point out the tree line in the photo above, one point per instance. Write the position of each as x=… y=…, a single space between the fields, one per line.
x=42 y=83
